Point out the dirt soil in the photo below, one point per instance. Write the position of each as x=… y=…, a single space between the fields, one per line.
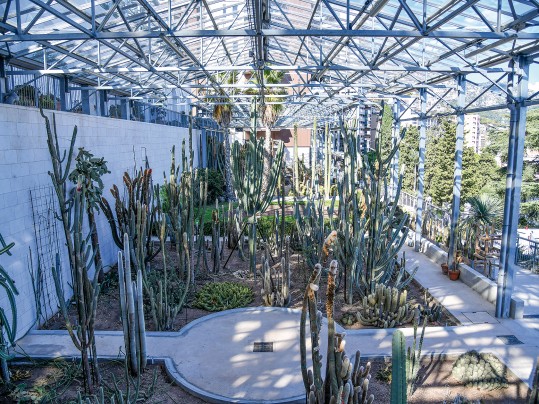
x=57 y=382
x=236 y=270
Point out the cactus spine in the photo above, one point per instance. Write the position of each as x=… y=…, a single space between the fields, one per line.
x=132 y=308
x=216 y=239
x=398 y=369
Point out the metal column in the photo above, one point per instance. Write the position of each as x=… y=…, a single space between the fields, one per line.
x=124 y=109
x=517 y=86
x=457 y=174
x=64 y=88
x=421 y=166
x=395 y=134
x=85 y=100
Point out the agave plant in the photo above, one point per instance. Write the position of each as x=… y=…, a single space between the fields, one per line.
x=482 y=215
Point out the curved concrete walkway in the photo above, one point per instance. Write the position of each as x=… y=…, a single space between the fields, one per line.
x=212 y=357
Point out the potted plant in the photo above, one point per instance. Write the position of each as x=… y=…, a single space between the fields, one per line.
x=454 y=271
x=445 y=268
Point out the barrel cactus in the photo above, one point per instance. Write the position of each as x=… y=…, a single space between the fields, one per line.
x=481 y=370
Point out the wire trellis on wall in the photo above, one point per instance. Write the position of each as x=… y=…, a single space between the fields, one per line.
x=44 y=211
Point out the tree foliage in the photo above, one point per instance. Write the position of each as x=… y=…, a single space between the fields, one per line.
x=409 y=157
x=439 y=162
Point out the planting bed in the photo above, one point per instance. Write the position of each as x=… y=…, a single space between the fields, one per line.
x=109 y=319
x=57 y=382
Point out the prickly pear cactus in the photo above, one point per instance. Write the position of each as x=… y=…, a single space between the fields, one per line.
x=387 y=307
x=481 y=370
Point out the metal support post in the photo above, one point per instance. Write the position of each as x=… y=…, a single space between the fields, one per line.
x=3 y=79
x=517 y=86
x=421 y=166
x=457 y=174
x=395 y=133
x=64 y=85
x=124 y=107
x=102 y=102
x=85 y=100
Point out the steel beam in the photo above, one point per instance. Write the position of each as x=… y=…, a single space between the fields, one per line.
x=457 y=174
x=518 y=86
x=421 y=167
x=271 y=32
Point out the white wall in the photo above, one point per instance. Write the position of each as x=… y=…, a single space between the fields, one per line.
x=25 y=161
x=303 y=152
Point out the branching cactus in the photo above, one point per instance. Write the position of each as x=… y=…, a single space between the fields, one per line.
x=85 y=293
x=132 y=309
x=135 y=215
x=413 y=356
x=81 y=256
x=314 y=230
x=248 y=178
x=345 y=381
x=216 y=246
x=8 y=329
x=387 y=307
x=276 y=291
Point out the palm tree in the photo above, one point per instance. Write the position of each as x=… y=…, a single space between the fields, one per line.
x=483 y=215
x=269 y=113
x=222 y=113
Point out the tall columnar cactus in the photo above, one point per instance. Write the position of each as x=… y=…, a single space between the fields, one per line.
x=296 y=161
x=8 y=329
x=165 y=301
x=398 y=369
x=327 y=162
x=387 y=307
x=276 y=290
x=132 y=309
x=385 y=227
x=315 y=228
x=85 y=290
x=216 y=246
x=253 y=198
x=135 y=215
x=314 y=179
x=345 y=381
x=413 y=356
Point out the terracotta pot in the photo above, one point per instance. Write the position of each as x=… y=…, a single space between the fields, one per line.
x=454 y=274
x=445 y=269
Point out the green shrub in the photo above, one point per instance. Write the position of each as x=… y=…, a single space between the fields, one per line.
x=266 y=226
x=220 y=296
x=216 y=184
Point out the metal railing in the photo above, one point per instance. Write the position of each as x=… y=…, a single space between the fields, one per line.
x=53 y=93
x=436 y=222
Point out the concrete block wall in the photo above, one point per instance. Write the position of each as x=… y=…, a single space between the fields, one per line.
x=25 y=161
x=485 y=287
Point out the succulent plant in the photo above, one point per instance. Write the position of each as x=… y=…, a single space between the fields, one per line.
x=481 y=370
x=430 y=308
x=276 y=280
x=387 y=307
x=220 y=296
x=345 y=380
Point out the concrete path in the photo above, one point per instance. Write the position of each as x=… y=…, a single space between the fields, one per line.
x=213 y=357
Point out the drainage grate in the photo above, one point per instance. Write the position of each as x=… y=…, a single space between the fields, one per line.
x=263 y=347
x=509 y=339
x=531 y=316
